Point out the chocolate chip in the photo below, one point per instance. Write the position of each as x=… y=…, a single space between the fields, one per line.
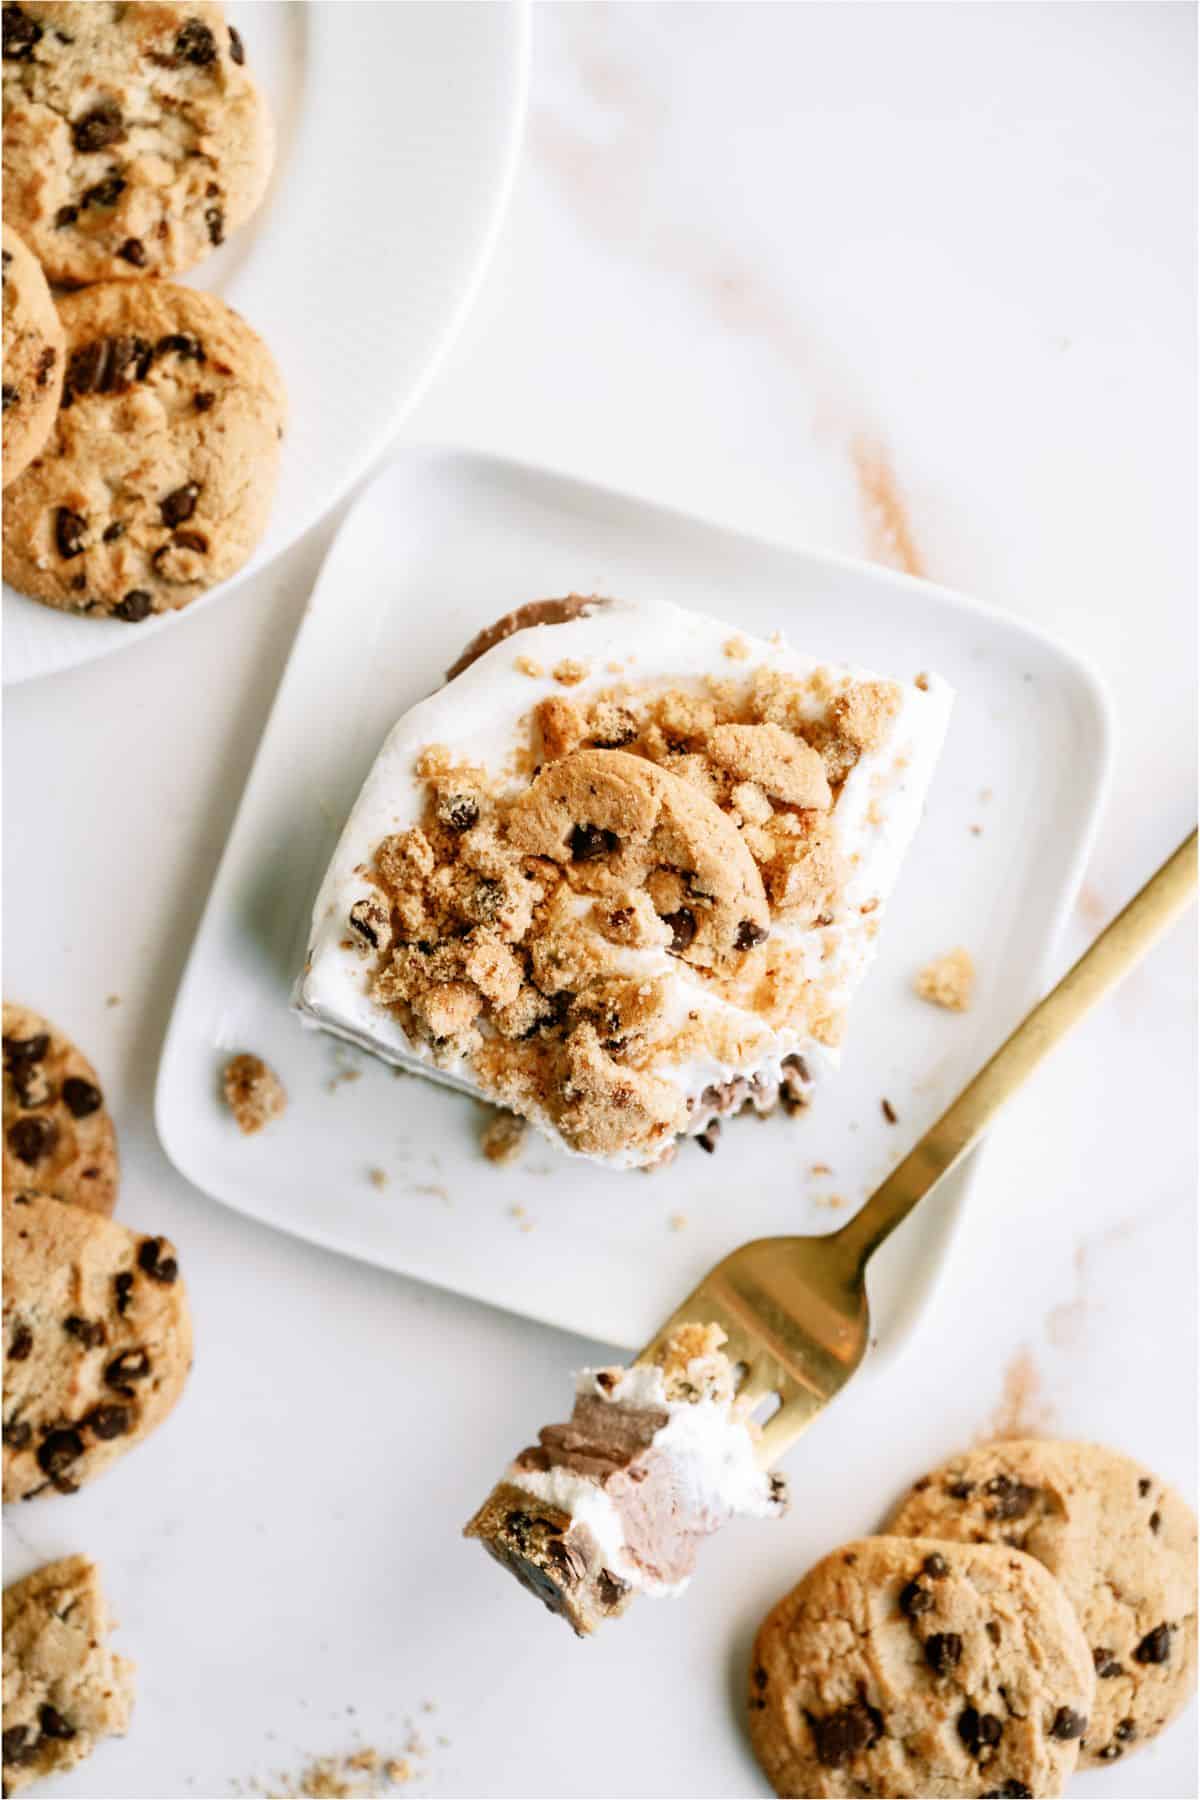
x=79 y=583
x=123 y=1288
x=1107 y=1666
x=180 y=504
x=26 y=1050
x=21 y=33
x=589 y=842
x=182 y=344
x=936 y=1566
x=90 y=1332
x=105 y=193
x=113 y=532
x=11 y=396
x=188 y=540
x=979 y=1730
x=993 y=1630
x=1110 y=1753
x=889 y=1112
x=610 y=1589
x=459 y=812
x=915 y=1600
x=17 y=1434
x=136 y=605
x=53 y=1724
x=18 y=1743
x=943 y=1651
x=196 y=44
x=82 y=1097
x=32 y=1138
x=840 y=1736
x=85 y=370
x=1126 y=1731
x=1156 y=1522
x=1144 y=1486
x=683 y=929
x=46 y=362
x=569 y=1560
x=709 y=1138
x=66 y=215
x=749 y=934
x=131 y=1365
x=59 y=1450
x=214 y=218
x=108 y=1421
x=960 y=1490
x=1068 y=1724
x=237 y=50
x=153 y=1263
x=760 y=1677
x=133 y=251
x=204 y=401
x=1155 y=1647
x=1013 y=1499
x=21 y=1343
x=1012 y=1790
x=70 y=529
x=97 y=129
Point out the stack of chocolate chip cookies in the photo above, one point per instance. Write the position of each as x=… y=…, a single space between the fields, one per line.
x=1032 y=1608
x=97 y=1349
x=142 y=420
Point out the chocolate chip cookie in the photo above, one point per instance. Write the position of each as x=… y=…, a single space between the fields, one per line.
x=33 y=357
x=58 y=1136
x=156 y=482
x=919 y=1668
x=64 y=1688
x=135 y=140
x=1121 y=1543
x=97 y=1343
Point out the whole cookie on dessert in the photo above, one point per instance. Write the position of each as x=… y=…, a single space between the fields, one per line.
x=64 y=1687
x=58 y=1135
x=97 y=1343
x=135 y=140
x=33 y=357
x=918 y=1668
x=1120 y=1542
x=157 y=480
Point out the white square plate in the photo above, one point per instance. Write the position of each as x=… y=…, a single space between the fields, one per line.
x=440 y=543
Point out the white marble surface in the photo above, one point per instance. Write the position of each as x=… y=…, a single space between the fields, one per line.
x=760 y=261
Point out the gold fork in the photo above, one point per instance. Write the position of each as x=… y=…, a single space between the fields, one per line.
x=794 y=1309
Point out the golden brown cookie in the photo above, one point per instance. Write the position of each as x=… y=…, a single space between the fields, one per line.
x=64 y=1688
x=646 y=826
x=135 y=140
x=1121 y=1543
x=913 y=1668
x=157 y=480
x=97 y=1343
x=33 y=357
x=58 y=1135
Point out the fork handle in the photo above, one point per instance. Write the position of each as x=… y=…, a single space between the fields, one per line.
x=1110 y=958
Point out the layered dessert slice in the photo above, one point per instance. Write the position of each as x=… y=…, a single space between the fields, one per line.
x=623 y=873
x=616 y=1501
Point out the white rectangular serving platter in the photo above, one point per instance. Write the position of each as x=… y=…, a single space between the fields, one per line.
x=388 y=1168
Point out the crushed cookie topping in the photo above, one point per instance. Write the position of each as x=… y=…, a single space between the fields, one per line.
x=505 y=928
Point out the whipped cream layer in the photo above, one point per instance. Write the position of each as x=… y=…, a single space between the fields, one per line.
x=719 y=1045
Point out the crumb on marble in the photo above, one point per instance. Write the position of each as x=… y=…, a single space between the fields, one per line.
x=889 y=1112
x=254 y=1093
x=948 y=981
x=378 y=1178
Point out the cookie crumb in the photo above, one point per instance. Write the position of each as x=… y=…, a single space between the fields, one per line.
x=254 y=1093
x=889 y=1112
x=113 y=1000
x=378 y=1178
x=921 y=681
x=570 y=671
x=833 y=1201
x=736 y=649
x=820 y=1169
x=528 y=665
x=948 y=981
x=678 y=1221
x=335 y=1081
x=503 y=1138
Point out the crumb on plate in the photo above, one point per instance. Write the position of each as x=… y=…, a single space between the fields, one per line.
x=948 y=981
x=254 y=1093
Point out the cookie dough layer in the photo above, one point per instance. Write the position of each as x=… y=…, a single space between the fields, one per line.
x=623 y=874
x=135 y=140
x=1121 y=1543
